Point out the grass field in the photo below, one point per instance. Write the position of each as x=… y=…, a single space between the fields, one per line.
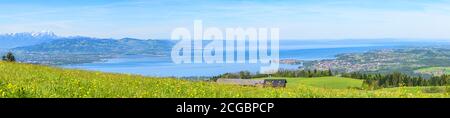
x=322 y=82
x=33 y=81
x=434 y=70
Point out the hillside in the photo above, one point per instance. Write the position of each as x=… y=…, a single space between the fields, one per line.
x=76 y=50
x=405 y=60
x=51 y=49
x=34 y=81
x=86 y=45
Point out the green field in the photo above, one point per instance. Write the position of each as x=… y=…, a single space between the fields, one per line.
x=434 y=70
x=322 y=82
x=33 y=81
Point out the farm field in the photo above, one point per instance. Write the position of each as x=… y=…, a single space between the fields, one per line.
x=35 y=81
x=434 y=70
x=322 y=82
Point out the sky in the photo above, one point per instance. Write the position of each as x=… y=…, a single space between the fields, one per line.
x=296 y=19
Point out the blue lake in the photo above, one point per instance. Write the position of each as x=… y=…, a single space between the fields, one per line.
x=163 y=66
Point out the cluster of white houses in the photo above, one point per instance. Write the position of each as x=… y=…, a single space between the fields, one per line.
x=254 y=82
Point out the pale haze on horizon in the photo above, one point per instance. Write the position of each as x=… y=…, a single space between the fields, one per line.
x=306 y=19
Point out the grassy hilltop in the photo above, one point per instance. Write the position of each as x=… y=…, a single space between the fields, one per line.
x=34 y=81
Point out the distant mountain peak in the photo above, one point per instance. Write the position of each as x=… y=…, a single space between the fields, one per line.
x=11 y=40
x=41 y=34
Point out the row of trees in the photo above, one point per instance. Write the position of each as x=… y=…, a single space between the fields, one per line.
x=396 y=79
x=9 y=57
x=280 y=73
x=371 y=80
x=240 y=75
x=303 y=73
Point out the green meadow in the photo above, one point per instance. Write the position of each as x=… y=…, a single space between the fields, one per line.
x=35 y=81
x=322 y=82
x=434 y=70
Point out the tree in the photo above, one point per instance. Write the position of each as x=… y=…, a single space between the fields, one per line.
x=245 y=75
x=330 y=73
x=9 y=57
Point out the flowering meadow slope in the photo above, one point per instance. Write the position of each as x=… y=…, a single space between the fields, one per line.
x=36 y=81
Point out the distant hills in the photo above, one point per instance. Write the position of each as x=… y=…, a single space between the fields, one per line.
x=48 y=48
x=86 y=45
x=405 y=60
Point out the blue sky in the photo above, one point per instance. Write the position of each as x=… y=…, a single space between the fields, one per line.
x=297 y=19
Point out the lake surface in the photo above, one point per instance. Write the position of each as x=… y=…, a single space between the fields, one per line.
x=163 y=66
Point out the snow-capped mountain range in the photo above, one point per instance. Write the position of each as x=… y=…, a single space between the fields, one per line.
x=43 y=34
x=12 y=40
